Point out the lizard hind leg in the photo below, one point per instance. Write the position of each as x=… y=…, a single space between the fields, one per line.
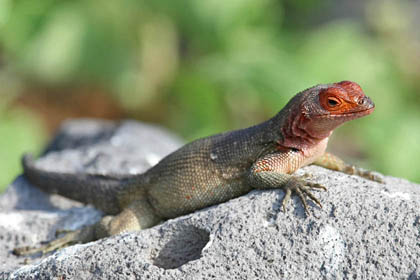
x=85 y=234
x=137 y=216
x=333 y=162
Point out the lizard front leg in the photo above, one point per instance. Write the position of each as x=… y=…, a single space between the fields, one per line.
x=333 y=162
x=269 y=173
x=137 y=216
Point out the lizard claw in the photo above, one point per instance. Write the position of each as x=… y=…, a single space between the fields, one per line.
x=302 y=188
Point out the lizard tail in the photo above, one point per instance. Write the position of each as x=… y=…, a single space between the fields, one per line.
x=99 y=190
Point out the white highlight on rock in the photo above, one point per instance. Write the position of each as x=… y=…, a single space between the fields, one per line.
x=333 y=246
x=269 y=222
x=11 y=220
x=402 y=195
x=133 y=170
x=211 y=238
x=81 y=218
x=70 y=252
x=152 y=159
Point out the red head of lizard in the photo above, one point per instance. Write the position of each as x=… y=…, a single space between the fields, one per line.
x=313 y=114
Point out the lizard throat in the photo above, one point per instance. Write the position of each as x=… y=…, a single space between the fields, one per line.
x=303 y=132
x=298 y=133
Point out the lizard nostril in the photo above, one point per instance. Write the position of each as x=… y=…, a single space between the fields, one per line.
x=365 y=101
x=368 y=102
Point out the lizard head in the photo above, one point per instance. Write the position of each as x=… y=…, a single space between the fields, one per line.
x=328 y=106
x=314 y=113
x=344 y=99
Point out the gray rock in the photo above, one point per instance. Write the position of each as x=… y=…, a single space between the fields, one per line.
x=28 y=215
x=365 y=230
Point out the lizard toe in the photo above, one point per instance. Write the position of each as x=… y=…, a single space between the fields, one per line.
x=302 y=189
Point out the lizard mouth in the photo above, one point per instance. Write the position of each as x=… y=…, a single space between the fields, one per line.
x=355 y=114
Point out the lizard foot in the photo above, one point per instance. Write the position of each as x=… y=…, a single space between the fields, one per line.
x=367 y=174
x=83 y=235
x=301 y=188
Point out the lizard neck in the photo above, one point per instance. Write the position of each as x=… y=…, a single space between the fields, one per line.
x=293 y=131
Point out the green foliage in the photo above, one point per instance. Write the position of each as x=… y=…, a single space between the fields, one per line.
x=218 y=65
x=20 y=133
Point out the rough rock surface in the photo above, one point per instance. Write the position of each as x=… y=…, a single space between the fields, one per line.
x=366 y=230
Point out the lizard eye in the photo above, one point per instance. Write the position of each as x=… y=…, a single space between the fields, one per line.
x=331 y=99
x=332 y=102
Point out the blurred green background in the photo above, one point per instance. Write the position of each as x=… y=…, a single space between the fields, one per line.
x=202 y=67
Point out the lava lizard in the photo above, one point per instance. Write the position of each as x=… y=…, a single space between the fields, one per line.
x=215 y=169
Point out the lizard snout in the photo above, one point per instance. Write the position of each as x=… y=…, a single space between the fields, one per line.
x=366 y=102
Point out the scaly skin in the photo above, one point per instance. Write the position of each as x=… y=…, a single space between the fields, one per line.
x=215 y=169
